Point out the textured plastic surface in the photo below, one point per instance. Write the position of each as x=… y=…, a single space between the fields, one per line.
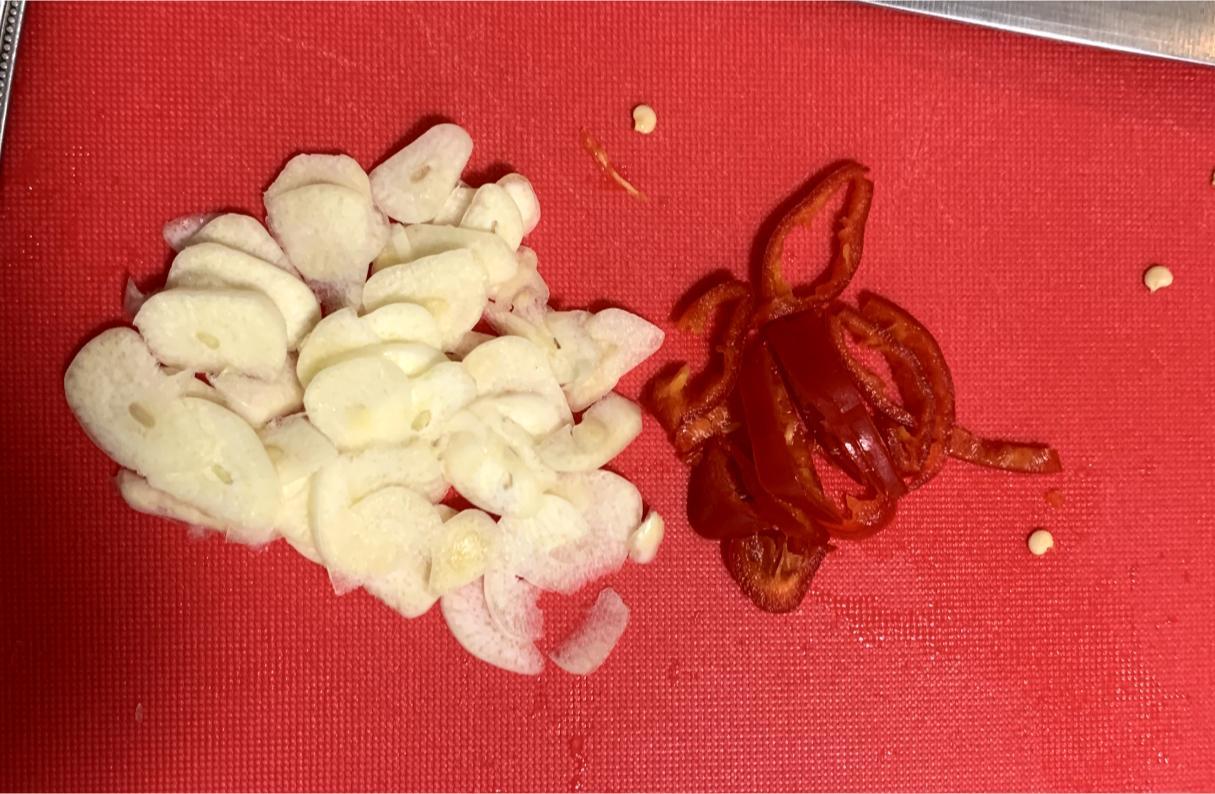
x=1022 y=187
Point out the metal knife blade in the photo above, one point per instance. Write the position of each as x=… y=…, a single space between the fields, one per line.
x=1183 y=31
x=11 y=14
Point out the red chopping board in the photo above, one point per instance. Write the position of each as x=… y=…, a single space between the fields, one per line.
x=1022 y=186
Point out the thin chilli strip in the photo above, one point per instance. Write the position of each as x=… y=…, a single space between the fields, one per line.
x=600 y=156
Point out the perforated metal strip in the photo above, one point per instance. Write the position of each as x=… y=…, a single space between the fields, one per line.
x=10 y=31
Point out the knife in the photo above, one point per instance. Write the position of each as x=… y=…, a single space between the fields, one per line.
x=10 y=31
x=1183 y=31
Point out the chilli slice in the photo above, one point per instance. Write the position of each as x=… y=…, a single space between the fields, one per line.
x=771 y=574
x=1018 y=456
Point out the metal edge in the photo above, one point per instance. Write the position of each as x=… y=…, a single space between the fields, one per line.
x=931 y=10
x=10 y=34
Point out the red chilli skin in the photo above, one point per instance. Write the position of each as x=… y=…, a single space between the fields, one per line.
x=848 y=239
x=1018 y=456
x=790 y=395
x=926 y=388
x=719 y=504
x=829 y=402
x=768 y=572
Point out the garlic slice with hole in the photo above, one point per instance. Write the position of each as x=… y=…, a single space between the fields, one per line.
x=412 y=184
x=213 y=330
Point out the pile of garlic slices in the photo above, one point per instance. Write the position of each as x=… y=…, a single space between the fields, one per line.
x=234 y=405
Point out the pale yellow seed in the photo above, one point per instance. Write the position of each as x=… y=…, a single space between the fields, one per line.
x=644 y=119
x=1157 y=277
x=1040 y=541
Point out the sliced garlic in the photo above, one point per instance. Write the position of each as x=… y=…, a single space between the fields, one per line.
x=606 y=428
x=513 y=364
x=209 y=458
x=489 y=471
x=645 y=540
x=378 y=541
x=245 y=234
x=142 y=497
x=489 y=250
x=404 y=322
x=297 y=449
x=455 y=206
x=625 y=340
x=258 y=401
x=587 y=649
x=117 y=391
x=330 y=233
x=493 y=210
x=413 y=465
x=450 y=285
x=468 y=618
x=206 y=264
x=321 y=169
x=461 y=552
x=396 y=250
x=213 y=330
x=411 y=185
x=360 y=402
